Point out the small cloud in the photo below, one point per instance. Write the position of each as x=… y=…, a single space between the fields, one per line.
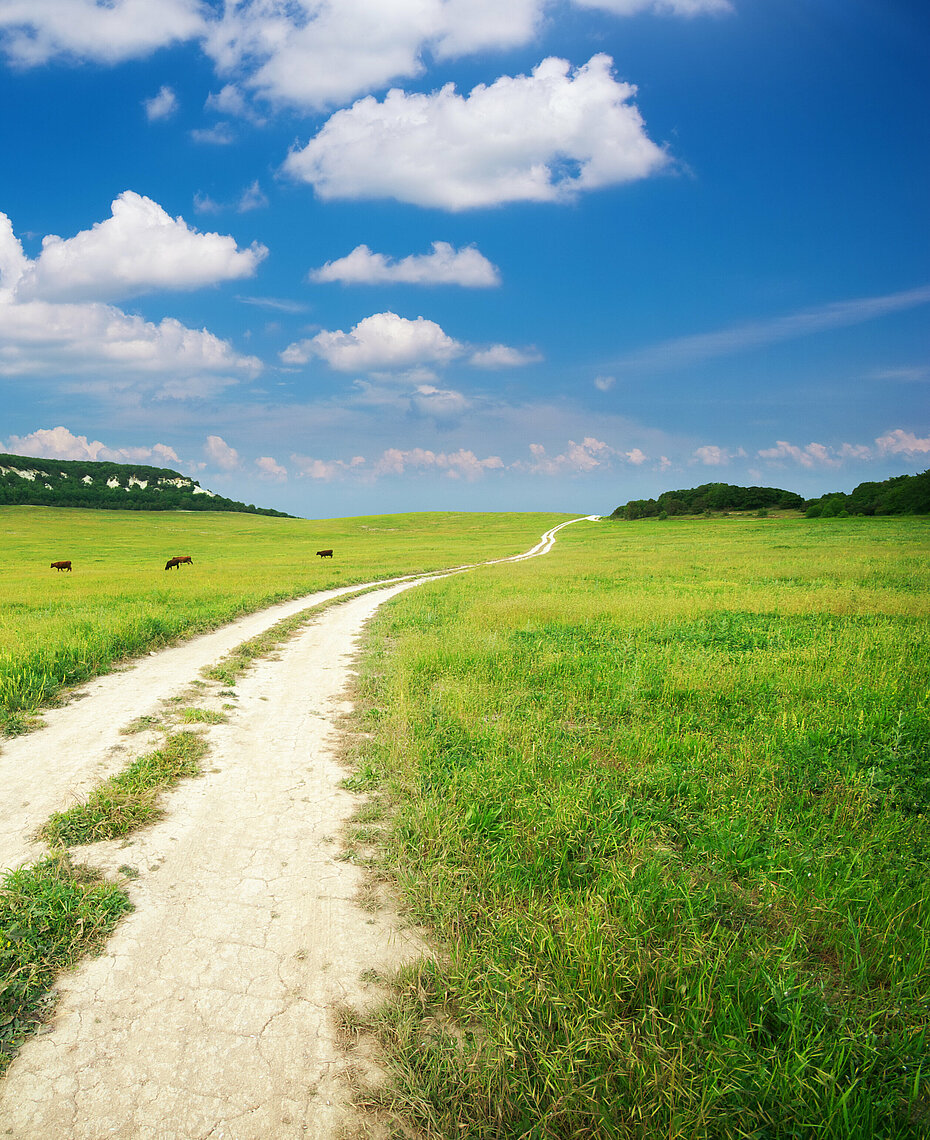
x=604 y=383
x=712 y=456
x=252 y=198
x=444 y=266
x=278 y=304
x=503 y=356
x=902 y=375
x=161 y=106
x=636 y=457
x=269 y=468
x=221 y=454
x=813 y=455
x=381 y=341
x=900 y=442
x=220 y=135
x=204 y=204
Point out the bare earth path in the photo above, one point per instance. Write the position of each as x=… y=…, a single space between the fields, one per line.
x=210 y=1012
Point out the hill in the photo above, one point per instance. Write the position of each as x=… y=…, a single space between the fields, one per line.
x=108 y=486
x=709 y=497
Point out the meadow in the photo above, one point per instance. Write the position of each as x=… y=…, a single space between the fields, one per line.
x=59 y=628
x=661 y=800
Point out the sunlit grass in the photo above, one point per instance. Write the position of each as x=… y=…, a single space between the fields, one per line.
x=59 y=629
x=662 y=796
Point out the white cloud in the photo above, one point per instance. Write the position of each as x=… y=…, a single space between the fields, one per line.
x=60 y=443
x=503 y=356
x=140 y=248
x=35 y=31
x=833 y=315
x=326 y=470
x=664 y=7
x=712 y=456
x=220 y=454
x=577 y=459
x=252 y=198
x=638 y=457
x=43 y=338
x=543 y=137
x=441 y=404
x=455 y=465
x=269 y=468
x=812 y=455
x=900 y=442
x=161 y=106
x=604 y=383
x=221 y=134
x=381 y=341
x=444 y=266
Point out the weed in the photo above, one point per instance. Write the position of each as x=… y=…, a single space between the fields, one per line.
x=201 y=716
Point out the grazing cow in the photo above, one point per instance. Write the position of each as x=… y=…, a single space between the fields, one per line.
x=174 y=563
x=325 y=553
x=61 y=566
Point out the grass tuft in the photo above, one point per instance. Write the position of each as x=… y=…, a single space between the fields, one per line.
x=52 y=914
x=128 y=800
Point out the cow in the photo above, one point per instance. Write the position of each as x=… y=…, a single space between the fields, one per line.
x=324 y=553
x=61 y=566
x=174 y=563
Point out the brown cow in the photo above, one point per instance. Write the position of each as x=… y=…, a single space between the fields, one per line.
x=172 y=563
x=183 y=558
x=60 y=566
x=324 y=553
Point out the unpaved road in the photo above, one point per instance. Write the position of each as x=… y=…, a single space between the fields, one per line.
x=211 y=1011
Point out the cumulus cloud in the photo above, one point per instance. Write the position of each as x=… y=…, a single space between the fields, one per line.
x=221 y=134
x=104 y=31
x=326 y=470
x=381 y=341
x=812 y=455
x=712 y=456
x=604 y=383
x=454 y=465
x=900 y=442
x=444 y=266
x=543 y=137
x=577 y=459
x=270 y=469
x=41 y=338
x=503 y=356
x=138 y=249
x=220 y=454
x=60 y=443
x=444 y=405
x=161 y=106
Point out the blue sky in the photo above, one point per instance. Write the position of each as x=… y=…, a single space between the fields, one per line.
x=355 y=256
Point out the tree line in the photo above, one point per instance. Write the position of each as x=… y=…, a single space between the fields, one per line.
x=899 y=495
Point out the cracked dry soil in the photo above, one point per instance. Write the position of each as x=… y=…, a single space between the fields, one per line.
x=210 y=1012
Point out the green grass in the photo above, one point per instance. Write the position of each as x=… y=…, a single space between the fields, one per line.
x=662 y=797
x=51 y=915
x=130 y=799
x=59 y=629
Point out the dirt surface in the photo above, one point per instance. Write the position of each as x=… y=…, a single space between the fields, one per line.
x=213 y=1011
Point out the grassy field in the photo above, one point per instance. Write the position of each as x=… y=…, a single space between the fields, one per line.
x=58 y=628
x=662 y=797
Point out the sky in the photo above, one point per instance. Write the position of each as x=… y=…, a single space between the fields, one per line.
x=345 y=257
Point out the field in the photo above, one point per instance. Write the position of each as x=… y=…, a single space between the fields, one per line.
x=58 y=628
x=662 y=799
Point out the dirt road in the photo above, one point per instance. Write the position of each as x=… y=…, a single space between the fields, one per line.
x=211 y=1011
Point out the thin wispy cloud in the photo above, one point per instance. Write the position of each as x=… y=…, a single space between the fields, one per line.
x=755 y=334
